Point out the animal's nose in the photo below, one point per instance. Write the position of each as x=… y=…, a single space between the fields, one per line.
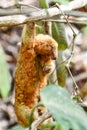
x=53 y=56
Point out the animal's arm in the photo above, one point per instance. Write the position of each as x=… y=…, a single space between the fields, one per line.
x=25 y=77
x=28 y=35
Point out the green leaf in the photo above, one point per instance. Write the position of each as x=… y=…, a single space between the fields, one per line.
x=61 y=1
x=43 y=4
x=64 y=110
x=4 y=76
x=58 y=33
x=61 y=70
x=39 y=27
x=18 y=127
x=50 y=126
x=84 y=30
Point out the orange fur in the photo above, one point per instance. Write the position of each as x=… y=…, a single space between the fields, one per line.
x=46 y=50
x=25 y=82
x=33 y=66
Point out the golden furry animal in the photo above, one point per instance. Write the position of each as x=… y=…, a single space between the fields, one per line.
x=35 y=62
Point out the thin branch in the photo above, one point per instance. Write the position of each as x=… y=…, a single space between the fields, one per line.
x=74 y=34
x=82 y=21
x=21 y=4
x=76 y=87
x=77 y=4
x=41 y=119
x=57 y=5
x=72 y=50
x=77 y=78
x=75 y=13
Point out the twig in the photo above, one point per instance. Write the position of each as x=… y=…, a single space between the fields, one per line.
x=77 y=4
x=37 y=123
x=20 y=4
x=72 y=51
x=76 y=86
x=82 y=21
x=57 y=5
x=74 y=34
x=78 y=78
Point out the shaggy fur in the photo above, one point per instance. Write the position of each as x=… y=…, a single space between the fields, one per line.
x=33 y=65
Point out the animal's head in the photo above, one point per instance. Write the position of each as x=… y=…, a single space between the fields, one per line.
x=46 y=49
x=46 y=45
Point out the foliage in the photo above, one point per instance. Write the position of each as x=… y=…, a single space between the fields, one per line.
x=61 y=1
x=4 y=76
x=84 y=29
x=64 y=110
x=58 y=33
x=18 y=127
x=44 y=3
x=61 y=70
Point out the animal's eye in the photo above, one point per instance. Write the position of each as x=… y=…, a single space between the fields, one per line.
x=40 y=56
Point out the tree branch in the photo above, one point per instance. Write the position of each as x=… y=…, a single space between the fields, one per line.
x=38 y=15
x=12 y=20
x=23 y=8
x=21 y=15
x=18 y=11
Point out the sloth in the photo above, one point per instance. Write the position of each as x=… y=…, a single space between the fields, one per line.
x=34 y=64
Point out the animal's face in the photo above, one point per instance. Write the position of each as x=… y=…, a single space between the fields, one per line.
x=46 y=45
x=46 y=64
